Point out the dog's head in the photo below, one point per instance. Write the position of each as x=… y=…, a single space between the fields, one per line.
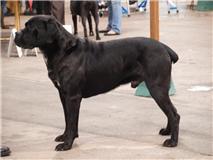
x=39 y=31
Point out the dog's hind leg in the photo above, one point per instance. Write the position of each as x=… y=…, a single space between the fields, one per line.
x=84 y=25
x=74 y=19
x=159 y=91
x=91 y=33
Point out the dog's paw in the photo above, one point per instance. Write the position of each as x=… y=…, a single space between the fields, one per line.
x=60 y=138
x=170 y=143
x=98 y=38
x=63 y=146
x=165 y=132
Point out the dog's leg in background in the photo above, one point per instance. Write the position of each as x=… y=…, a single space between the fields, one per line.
x=84 y=25
x=158 y=88
x=71 y=112
x=91 y=33
x=74 y=19
x=96 y=19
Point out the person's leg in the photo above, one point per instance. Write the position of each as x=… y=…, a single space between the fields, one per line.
x=27 y=9
x=57 y=11
x=4 y=6
x=34 y=7
x=2 y=16
x=109 y=26
x=23 y=6
x=116 y=16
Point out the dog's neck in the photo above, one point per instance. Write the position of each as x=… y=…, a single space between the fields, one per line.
x=50 y=50
x=64 y=44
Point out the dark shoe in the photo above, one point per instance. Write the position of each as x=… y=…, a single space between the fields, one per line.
x=5 y=151
x=104 y=31
x=111 y=33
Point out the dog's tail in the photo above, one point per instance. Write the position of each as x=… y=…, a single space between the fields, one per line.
x=174 y=57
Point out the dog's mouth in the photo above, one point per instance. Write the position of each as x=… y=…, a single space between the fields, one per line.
x=24 y=46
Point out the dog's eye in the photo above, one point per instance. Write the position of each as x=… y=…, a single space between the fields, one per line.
x=27 y=25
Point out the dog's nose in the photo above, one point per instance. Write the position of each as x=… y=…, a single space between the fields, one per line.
x=17 y=37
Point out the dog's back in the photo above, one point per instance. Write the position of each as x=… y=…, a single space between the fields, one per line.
x=75 y=7
x=82 y=7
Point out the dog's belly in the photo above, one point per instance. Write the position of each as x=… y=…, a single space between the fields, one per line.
x=89 y=92
x=98 y=87
x=102 y=84
x=103 y=80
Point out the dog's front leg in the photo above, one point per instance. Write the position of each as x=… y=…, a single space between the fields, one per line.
x=96 y=19
x=71 y=112
x=61 y=138
x=74 y=19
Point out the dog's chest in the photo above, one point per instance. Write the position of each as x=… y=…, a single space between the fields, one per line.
x=54 y=77
x=52 y=73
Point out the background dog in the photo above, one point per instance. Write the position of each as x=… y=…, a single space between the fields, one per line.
x=85 y=9
x=80 y=68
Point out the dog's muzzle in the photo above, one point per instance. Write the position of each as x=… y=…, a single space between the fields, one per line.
x=19 y=41
x=18 y=38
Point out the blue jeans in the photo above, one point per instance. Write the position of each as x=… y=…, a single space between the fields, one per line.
x=115 y=15
x=4 y=6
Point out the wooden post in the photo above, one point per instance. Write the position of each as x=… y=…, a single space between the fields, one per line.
x=14 y=30
x=17 y=15
x=154 y=19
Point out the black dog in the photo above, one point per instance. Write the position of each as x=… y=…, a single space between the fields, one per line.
x=80 y=68
x=85 y=9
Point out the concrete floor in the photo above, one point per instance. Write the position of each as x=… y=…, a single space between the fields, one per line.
x=32 y=115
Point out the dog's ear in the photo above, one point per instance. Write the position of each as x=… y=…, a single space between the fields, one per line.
x=48 y=32
x=52 y=30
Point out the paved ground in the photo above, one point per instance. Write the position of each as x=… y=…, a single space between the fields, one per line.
x=116 y=125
